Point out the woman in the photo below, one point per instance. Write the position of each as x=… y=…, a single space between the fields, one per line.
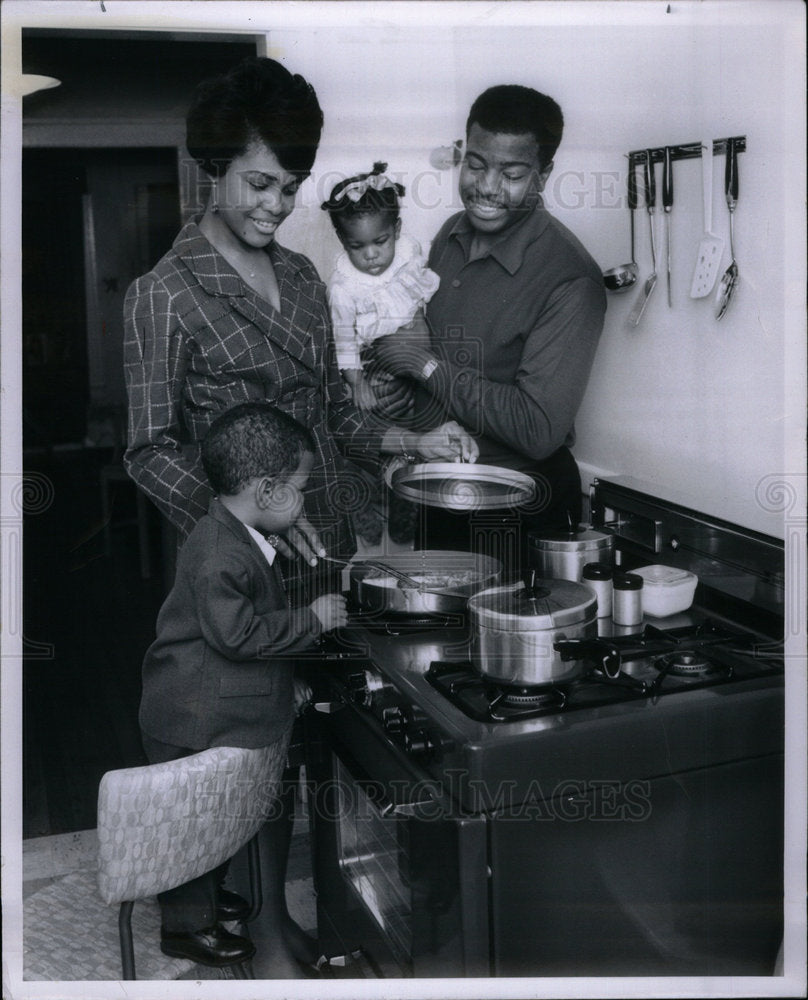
x=228 y=316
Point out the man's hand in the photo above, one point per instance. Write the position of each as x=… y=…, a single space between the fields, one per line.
x=394 y=397
x=300 y=540
x=449 y=442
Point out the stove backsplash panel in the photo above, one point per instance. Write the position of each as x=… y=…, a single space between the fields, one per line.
x=732 y=563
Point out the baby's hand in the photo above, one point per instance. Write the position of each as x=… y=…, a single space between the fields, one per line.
x=331 y=611
x=416 y=331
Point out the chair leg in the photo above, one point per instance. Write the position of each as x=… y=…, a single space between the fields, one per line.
x=242 y=971
x=125 y=935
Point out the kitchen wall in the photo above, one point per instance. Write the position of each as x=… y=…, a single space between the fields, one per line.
x=700 y=409
x=696 y=407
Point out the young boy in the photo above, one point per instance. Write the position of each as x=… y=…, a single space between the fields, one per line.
x=220 y=672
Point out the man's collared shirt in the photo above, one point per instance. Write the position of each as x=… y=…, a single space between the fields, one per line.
x=516 y=330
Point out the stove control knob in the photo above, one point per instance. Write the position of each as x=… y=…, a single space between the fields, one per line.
x=392 y=719
x=418 y=742
x=359 y=688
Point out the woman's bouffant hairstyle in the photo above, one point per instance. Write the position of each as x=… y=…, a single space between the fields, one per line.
x=251 y=440
x=516 y=110
x=257 y=99
x=364 y=194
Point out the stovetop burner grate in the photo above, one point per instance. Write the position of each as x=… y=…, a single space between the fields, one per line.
x=687 y=663
x=656 y=663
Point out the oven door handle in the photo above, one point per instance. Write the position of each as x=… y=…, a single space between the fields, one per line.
x=385 y=807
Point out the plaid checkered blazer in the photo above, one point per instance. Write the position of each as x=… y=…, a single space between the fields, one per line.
x=198 y=340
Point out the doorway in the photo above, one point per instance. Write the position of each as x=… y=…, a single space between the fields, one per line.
x=93 y=220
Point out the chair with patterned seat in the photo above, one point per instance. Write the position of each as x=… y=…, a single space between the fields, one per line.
x=164 y=824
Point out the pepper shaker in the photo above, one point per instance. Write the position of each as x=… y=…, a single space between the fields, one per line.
x=598 y=577
x=627 y=599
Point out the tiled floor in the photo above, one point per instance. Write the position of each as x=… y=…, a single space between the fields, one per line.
x=50 y=860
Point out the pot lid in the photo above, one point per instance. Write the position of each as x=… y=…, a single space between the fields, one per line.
x=549 y=604
x=463 y=486
x=571 y=541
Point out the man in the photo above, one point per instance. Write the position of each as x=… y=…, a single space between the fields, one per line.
x=516 y=320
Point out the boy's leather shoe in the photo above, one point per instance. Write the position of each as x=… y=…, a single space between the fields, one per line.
x=211 y=946
x=230 y=906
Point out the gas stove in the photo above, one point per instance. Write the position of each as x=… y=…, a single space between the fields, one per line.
x=464 y=827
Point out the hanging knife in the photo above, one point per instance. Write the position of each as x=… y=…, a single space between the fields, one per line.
x=667 y=204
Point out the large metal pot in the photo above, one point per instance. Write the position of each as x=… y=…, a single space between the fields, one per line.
x=562 y=555
x=516 y=626
x=443 y=580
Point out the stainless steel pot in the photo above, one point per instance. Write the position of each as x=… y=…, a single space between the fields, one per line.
x=444 y=580
x=516 y=626
x=562 y=555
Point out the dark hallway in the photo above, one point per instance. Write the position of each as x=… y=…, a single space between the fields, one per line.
x=80 y=705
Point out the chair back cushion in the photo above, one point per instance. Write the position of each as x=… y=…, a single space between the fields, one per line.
x=164 y=824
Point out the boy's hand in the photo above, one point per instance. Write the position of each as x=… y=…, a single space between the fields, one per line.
x=301 y=540
x=331 y=611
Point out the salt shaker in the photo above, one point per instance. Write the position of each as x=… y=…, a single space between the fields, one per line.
x=598 y=577
x=627 y=599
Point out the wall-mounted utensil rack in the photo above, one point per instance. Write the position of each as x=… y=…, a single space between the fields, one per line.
x=685 y=151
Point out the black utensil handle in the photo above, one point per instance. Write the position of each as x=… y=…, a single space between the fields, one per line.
x=731 y=172
x=632 y=187
x=605 y=654
x=667 y=181
x=650 y=182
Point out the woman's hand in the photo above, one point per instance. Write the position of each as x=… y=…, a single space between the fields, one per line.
x=299 y=540
x=449 y=442
x=302 y=694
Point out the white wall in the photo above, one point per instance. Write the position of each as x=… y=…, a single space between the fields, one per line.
x=696 y=407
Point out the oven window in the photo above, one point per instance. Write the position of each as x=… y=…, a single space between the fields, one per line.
x=373 y=855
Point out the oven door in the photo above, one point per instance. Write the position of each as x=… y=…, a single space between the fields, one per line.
x=399 y=876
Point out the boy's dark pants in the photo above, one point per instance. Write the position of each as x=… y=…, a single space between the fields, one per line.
x=191 y=906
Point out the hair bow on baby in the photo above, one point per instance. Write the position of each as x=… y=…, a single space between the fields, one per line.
x=355 y=190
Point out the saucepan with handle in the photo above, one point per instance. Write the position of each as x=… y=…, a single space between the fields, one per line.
x=421 y=581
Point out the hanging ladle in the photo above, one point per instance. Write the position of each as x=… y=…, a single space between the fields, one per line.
x=620 y=279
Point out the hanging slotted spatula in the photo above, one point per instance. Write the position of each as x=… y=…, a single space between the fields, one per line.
x=650 y=283
x=711 y=247
x=729 y=279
